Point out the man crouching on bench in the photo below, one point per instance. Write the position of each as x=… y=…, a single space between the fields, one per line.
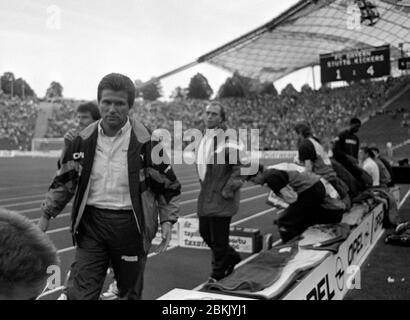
x=304 y=210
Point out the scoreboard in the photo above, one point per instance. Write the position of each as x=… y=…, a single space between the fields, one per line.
x=404 y=63
x=355 y=64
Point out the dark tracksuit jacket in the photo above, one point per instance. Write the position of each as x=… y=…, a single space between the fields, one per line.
x=220 y=177
x=154 y=188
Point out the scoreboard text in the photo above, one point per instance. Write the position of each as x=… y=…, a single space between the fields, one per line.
x=355 y=64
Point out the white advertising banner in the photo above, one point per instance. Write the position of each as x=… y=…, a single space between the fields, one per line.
x=189 y=237
x=340 y=272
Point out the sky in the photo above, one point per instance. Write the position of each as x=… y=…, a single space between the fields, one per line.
x=77 y=42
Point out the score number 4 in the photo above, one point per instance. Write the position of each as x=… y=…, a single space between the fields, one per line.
x=369 y=70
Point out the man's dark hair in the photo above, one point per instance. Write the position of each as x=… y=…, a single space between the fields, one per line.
x=117 y=82
x=90 y=107
x=368 y=151
x=303 y=128
x=25 y=253
x=221 y=108
x=354 y=121
x=375 y=149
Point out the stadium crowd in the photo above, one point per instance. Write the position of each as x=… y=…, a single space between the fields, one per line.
x=63 y=119
x=327 y=109
x=17 y=122
x=275 y=116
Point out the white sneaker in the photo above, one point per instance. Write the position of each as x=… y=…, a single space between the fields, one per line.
x=111 y=293
x=62 y=296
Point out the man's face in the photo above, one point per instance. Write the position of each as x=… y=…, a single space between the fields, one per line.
x=362 y=155
x=84 y=119
x=114 y=108
x=355 y=128
x=300 y=137
x=213 y=117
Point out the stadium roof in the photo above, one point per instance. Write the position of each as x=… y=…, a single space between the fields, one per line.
x=295 y=39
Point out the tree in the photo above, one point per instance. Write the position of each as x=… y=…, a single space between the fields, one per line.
x=23 y=89
x=15 y=87
x=306 y=88
x=54 y=90
x=7 y=83
x=138 y=85
x=152 y=91
x=199 y=88
x=268 y=89
x=241 y=86
x=234 y=86
x=289 y=90
x=179 y=93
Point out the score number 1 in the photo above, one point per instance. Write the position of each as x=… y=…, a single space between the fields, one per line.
x=338 y=76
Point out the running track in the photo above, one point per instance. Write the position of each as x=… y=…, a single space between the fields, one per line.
x=25 y=180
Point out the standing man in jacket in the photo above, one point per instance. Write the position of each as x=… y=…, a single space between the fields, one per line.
x=219 y=196
x=347 y=142
x=119 y=190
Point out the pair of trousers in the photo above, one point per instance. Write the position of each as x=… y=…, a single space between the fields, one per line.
x=303 y=213
x=106 y=236
x=215 y=232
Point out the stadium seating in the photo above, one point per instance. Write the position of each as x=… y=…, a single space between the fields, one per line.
x=63 y=119
x=388 y=125
x=328 y=110
x=17 y=123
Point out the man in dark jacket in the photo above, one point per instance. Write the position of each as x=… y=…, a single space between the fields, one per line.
x=219 y=196
x=346 y=152
x=119 y=190
x=347 y=143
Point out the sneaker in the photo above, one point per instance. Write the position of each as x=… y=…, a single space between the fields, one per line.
x=211 y=280
x=402 y=227
x=111 y=293
x=62 y=296
x=235 y=260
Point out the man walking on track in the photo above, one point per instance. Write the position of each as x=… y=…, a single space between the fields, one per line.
x=119 y=191
x=219 y=195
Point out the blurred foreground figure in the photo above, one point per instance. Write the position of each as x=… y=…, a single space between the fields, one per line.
x=26 y=253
